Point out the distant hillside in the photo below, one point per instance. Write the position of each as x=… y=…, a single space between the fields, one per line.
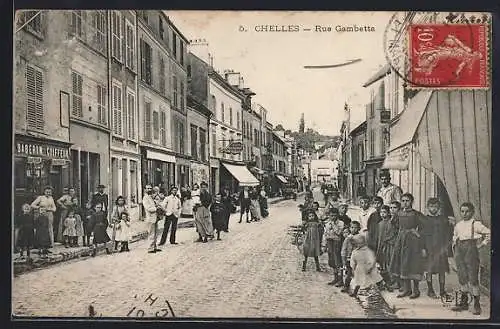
x=309 y=138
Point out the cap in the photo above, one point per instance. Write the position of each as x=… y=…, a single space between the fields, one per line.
x=101 y=186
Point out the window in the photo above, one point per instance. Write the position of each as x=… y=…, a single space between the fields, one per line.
x=129 y=46
x=156 y=126
x=214 y=142
x=35 y=21
x=76 y=23
x=116 y=32
x=101 y=105
x=238 y=120
x=99 y=27
x=174 y=44
x=203 y=145
x=181 y=52
x=161 y=29
x=146 y=62
x=34 y=98
x=231 y=116
x=222 y=112
x=194 y=142
x=179 y=129
x=182 y=96
x=77 y=94
x=163 y=133
x=147 y=120
x=162 y=74
x=175 y=96
x=117 y=109
x=131 y=114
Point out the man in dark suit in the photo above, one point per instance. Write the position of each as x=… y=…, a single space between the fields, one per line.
x=100 y=198
x=244 y=200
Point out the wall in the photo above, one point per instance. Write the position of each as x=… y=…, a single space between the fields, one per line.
x=157 y=103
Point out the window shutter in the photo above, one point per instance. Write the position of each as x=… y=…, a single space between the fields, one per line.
x=119 y=111
x=147 y=121
x=34 y=99
x=77 y=90
x=155 y=125
x=163 y=120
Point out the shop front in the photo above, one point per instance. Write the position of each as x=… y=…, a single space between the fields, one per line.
x=183 y=170
x=158 y=168
x=38 y=163
x=235 y=175
x=199 y=173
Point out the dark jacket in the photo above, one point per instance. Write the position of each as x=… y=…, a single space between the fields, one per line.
x=205 y=199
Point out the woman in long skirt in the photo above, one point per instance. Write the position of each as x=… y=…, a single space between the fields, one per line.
x=312 y=242
x=203 y=223
x=255 y=206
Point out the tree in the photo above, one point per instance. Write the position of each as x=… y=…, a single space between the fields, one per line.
x=279 y=127
x=302 y=124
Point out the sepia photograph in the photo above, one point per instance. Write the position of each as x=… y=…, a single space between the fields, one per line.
x=251 y=165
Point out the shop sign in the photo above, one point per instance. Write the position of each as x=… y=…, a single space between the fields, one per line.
x=59 y=162
x=233 y=148
x=34 y=160
x=41 y=150
x=398 y=159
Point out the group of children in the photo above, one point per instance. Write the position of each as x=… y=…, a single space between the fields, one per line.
x=389 y=253
x=33 y=229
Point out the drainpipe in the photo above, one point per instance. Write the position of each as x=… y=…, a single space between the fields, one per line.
x=110 y=109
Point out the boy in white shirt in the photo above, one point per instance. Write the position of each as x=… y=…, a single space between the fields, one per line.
x=466 y=236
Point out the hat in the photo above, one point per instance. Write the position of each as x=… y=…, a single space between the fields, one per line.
x=101 y=186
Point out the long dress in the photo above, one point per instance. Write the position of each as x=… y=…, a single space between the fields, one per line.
x=101 y=224
x=437 y=235
x=407 y=260
x=202 y=218
x=312 y=242
x=116 y=218
x=67 y=201
x=255 y=207
x=42 y=235
x=387 y=233
x=70 y=227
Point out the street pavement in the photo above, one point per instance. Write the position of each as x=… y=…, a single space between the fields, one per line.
x=255 y=271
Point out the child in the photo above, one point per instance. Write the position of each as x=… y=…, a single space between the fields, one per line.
x=363 y=265
x=69 y=233
x=100 y=226
x=437 y=234
x=218 y=211
x=79 y=221
x=333 y=242
x=372 y=223
x=387 y=234
x=26 y=235
x=346 y=252
x=312 y=243
x=123 y=231
x=365 y=212
x=88 y=224
x=343 y=215
x=42 y=235
x=394 y=209
x=466 y=241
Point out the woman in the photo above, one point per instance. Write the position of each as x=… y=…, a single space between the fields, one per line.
x=119 y=207
x=407 y=261
x=263 y=203
x=187 y=203
x=254 y=205
x=46 y=202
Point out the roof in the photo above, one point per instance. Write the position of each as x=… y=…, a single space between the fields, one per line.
x=379 y=75
x=223 y=82
x=359 y=129
x=174 y=27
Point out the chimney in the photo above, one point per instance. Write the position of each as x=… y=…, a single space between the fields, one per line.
x=233 y=78
x=199 y=47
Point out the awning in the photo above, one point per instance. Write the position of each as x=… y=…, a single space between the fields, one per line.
x=282 y=179
x=258 y=170
x=160 y=156
x=242 y=175
x=403 y=131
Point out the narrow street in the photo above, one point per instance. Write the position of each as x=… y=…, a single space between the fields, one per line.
x=255 y=271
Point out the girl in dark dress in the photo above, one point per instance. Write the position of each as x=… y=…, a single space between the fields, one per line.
x=218 y=212
x=437 y=234
x=387 y=231
x=26 y=227
x=312 y=242
x=42 y=235
x=100 y=234
x=407 y=261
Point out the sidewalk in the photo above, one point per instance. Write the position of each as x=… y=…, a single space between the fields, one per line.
x=62 y=254
x=425 y=307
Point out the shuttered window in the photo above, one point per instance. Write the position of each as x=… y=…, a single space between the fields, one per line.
x=101 y=105
x=162 y=74
x=147 y=121
x=117 y=110
x=146 y=62
x=194 y=142
x=116 y=32
x=34 y=98
x=130 y=46
x=182 y=96
x=175 y=96
x=76 y=23
x=77 y=94
x=131 y=115
x=156 y=126
x=203 y=144
x=163 y=133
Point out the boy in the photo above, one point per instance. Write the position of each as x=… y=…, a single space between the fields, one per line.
x=466 y=236
x=437 y=235
x=345 y=254
x=387 y=233
x=372 y=222
x=333 y=242
x=365 y=212
x=343 y=215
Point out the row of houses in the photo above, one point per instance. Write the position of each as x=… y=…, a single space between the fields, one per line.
x=434 y=143
x=118 y=98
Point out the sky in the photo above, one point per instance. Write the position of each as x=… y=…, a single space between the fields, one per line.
x=272 y=63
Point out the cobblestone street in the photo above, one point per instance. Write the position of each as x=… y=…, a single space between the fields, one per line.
x=253 y=272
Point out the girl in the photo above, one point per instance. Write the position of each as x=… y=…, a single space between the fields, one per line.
x=100 y=226
x=79 y=221
x=26 y=225
x=312 y=243
x=70 y=228
x=467 y=237
x=346 y=252
x=363 y=265
x=332 y=240
x=42 y=232
x=387 y=232
x=88 y=224
x=218 y=212
x=118 y=208
x=123 y=231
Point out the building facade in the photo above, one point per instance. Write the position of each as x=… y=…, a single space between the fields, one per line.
x=199 y=126
x=358 y=156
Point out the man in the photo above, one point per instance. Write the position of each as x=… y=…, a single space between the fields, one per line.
x=388 y=192
x=172 y=208
x=244 y=200
x=100 y=198
x=150 y=208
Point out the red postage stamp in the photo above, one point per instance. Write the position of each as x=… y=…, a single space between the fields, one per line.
x=453 y=56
